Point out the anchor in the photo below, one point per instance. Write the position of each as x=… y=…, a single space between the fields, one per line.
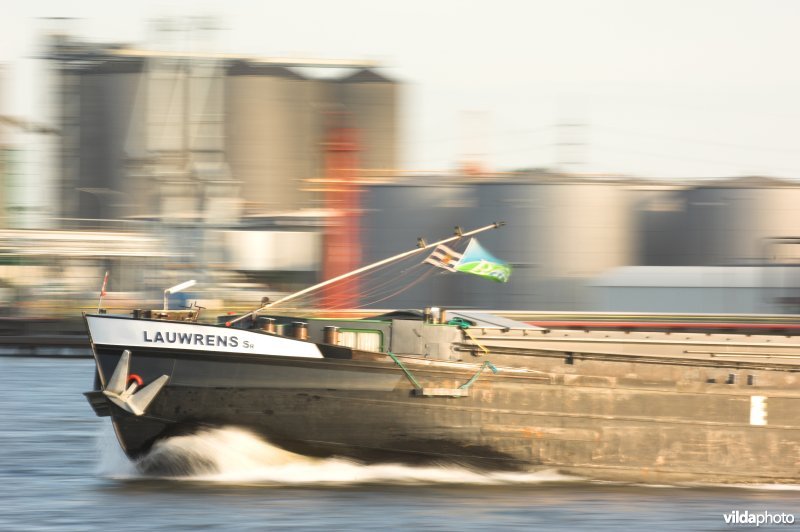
x=123 y=396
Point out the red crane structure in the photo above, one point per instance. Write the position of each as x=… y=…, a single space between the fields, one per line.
x=342 y=234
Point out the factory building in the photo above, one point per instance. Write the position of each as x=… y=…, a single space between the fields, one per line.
x=227 y=154
x=206 y=137
x=278 y=122
x=580 y=243
x=560 y=232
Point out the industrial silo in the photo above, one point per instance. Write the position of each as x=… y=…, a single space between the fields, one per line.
x=187 y=169
x=130 y=122
x=270 y=143
x=659 y=209
x=395 y=214
x=560 y=232
x=106 y=134
x=370 y=101
x=730 y=222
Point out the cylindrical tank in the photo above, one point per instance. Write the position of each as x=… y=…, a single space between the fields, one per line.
x=270 y=145
x=560 y=232
x=394 y=215
x=277 y=122
x=331 y=335
x=657 y=209
x=267 y=324
x=110 y=132
x=300 y=330
x=730 y=222
x=371 y=103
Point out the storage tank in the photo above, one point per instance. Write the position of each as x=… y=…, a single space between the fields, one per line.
x=271 y=145
x=371 y=102
x=394 y=215
x=728 y=222
x=109 y=133
x=658 y=211
x=559 y=233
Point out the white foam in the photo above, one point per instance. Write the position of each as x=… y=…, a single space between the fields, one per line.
x=235 y=456
x=767 y=487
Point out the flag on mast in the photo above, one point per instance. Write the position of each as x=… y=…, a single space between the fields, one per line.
x=475 y=260
x=443 y=257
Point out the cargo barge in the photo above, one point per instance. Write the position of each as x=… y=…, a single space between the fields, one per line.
x=476 y=389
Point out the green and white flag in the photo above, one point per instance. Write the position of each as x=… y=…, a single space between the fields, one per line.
x=478 y=261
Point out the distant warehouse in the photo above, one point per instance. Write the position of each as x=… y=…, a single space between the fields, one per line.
x=707 y=289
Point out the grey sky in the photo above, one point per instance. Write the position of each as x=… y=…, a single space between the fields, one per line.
x=664 y=88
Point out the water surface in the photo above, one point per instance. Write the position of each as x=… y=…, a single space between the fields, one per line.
x=60 y=468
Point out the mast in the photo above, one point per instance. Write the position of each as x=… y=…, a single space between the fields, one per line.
x=459 y=234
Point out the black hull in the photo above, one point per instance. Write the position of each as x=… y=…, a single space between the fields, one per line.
x=362 y=410
x=532 y=418
x=315 y=423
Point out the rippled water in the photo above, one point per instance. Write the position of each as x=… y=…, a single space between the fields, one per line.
x=60 y=468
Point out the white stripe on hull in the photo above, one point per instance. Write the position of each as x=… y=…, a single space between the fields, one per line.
x=126 y=332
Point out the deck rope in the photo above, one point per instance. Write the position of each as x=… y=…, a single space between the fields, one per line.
x=405 y=370
x=469 y=383
x=464 y=386
x=484 y=349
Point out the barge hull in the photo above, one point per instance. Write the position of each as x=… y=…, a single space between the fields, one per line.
x=604 y=419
